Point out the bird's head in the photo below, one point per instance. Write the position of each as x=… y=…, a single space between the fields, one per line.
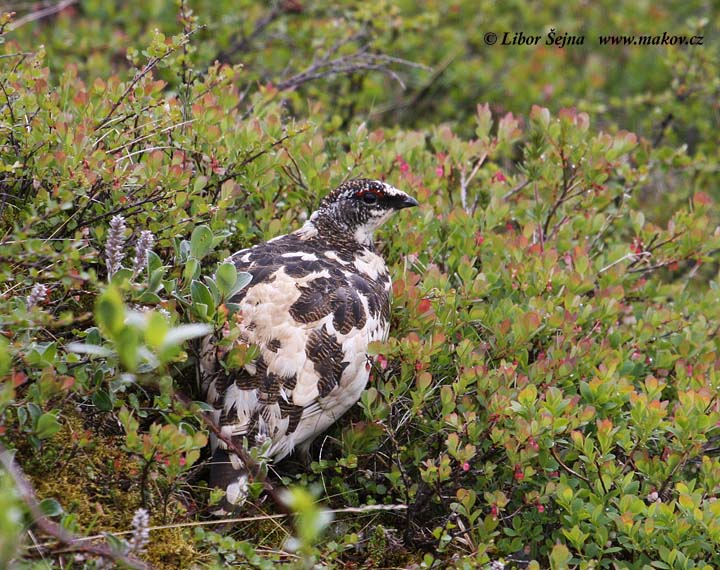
x=360 y=206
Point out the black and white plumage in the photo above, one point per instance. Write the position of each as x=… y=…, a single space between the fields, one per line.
x=317 y=298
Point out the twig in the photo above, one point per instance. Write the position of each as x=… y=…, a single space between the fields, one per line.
x=568 y=469
x=40 y=14
x=234 y=171
x=346 y=510
x=465 y=180
x=424 y=90
x=252 y=466
x=663 y=490
x=650 y=268
x=346 y=64
x=600 y=477
x=631 y=256
x=243 y=43
x=138 y=76
x=515 y=190
x=70 y=542
x=563 y=194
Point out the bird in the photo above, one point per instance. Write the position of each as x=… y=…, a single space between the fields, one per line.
x=317 y=298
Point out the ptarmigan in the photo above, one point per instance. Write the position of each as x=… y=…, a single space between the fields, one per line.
x=317 y=298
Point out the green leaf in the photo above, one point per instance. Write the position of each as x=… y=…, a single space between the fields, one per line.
x=122 y=276
x=110 y=312
x=528 y=395
x=47 y=426
x=225 y=278
x=155 y=277
x=150 y=298
x=4 y=357
x=201 y=295
x=116 y=544
x=191 y=270
x=51 y=508
x=101 y=400
x=243 y=280
x=201 y=310
x=210 y=283
x=156 y=330
x=201 y=242
x=127 y=345
x=559 y=557
x=154 y=262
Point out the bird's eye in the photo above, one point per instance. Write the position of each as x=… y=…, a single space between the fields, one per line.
x=369 y=198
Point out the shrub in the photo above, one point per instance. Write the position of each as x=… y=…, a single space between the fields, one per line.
x=548 y=393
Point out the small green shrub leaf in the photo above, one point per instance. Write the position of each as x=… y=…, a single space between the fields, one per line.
x=47 y=426
x=225 y=278
x=201 y=242
x=51 y=507
x=201 y=295
x=110 y=311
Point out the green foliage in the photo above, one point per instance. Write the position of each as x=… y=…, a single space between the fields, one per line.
x=11 y=519
x=548 y=394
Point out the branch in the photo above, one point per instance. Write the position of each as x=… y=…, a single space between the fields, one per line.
x=554 y=453
x=40 y=14
x=242 y=44
x=138 y=76
x=346 y=510
x=69 y=541
x=423 y=92
x=465 y=180
x=235 y=170
x=252 y=466
x=519 y=188
x=347 y=64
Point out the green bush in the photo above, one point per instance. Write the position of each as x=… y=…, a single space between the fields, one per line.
x=548 y=396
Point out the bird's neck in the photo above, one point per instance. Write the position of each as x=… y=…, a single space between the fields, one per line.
x=332 y=231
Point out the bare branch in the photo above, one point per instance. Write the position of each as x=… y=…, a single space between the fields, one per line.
x=572 y=472
x=347 y=64
x=252 y=466
x=42 y=13
x=465 y=180
x=243 y=43
x=519 y=188
x=142 y=73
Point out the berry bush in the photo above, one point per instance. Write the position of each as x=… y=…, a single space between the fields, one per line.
x=548 y=396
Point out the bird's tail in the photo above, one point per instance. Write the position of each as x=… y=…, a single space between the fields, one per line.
x=228 y=478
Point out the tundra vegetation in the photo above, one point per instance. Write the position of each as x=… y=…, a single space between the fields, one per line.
x=548 y=394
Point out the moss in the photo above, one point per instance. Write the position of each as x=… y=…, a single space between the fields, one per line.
x=86 y=469
x=384 y=550
x=171 y=548
x=88 y=472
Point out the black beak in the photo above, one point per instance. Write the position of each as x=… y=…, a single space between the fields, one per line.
x=406 y=202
